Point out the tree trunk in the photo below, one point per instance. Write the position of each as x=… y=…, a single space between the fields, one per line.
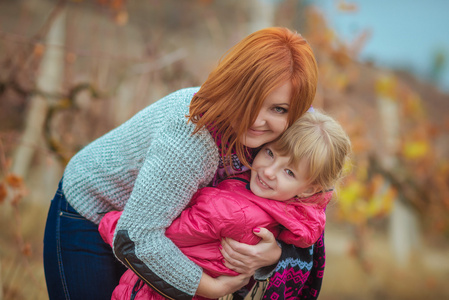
x=404 y=232
x=49 y=81
x=403 y=228
x=262 y=14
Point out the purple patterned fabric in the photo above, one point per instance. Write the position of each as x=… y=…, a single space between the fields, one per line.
x=299 y=273
x=226 y=169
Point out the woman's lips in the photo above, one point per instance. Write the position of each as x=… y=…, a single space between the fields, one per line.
x=256 y=132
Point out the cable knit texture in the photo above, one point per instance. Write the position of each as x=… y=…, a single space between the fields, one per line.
x=149 y=167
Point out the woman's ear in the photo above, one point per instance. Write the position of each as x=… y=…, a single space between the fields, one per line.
x=311 y=190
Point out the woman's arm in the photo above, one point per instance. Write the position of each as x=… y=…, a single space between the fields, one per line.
x=209 y=287
x=176 y=165
x=246 y=259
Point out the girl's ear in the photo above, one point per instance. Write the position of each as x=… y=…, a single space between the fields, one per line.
x=311 y=190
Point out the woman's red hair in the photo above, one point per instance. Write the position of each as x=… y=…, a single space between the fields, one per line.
x=231 y=97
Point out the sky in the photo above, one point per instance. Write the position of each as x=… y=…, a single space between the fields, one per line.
x=405 y=34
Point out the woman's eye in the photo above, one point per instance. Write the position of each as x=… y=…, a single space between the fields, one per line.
x=290 y=173
x=280 y=110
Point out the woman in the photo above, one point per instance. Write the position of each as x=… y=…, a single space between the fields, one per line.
x=151 y=165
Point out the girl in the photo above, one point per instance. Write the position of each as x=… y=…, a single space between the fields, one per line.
x=286 y=191
x=151 y=166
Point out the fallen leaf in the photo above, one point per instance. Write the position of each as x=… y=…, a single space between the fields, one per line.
x=14 y=181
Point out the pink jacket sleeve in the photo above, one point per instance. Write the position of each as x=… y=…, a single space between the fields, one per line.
x=107 y=226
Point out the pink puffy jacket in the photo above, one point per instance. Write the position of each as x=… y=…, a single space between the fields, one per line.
x=228 y=210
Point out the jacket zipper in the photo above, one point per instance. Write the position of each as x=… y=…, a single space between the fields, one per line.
x=136 y=288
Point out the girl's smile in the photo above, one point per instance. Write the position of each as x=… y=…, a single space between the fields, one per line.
x=274 y=177
x=262 y=183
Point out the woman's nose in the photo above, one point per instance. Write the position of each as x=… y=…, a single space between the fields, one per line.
x=260 y=120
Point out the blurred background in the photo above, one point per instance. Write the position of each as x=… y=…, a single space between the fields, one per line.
x=72 y=70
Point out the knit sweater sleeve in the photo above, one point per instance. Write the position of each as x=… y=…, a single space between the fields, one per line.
x=176 y=165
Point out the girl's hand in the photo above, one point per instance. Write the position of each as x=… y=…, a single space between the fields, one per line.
x=246 y=259
x=221 y=286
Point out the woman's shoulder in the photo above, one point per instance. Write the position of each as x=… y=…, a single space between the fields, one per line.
x=168 y=119
x=173 y=107
x=187 y=92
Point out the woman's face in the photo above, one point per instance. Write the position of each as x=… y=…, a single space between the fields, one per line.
x=272 y=118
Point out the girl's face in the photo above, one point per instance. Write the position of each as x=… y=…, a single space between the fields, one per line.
x=273 y=177
x=272 y=118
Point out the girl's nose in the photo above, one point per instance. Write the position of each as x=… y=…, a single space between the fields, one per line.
x=269 y=172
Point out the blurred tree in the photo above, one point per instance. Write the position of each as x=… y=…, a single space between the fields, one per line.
x=404 y=228
x=439 y=62
x=394 y=145
x=48 y=83
x=261 y=14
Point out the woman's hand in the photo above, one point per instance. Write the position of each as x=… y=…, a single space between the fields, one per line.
x=246 y=259
x=221 y=286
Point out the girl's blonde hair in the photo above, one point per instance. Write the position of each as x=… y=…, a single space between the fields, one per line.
x=231 y=97
x=320 y=141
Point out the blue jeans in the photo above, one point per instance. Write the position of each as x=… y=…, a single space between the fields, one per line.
x=78 y=264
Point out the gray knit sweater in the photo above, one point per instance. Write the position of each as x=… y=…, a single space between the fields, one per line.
x=150 y=167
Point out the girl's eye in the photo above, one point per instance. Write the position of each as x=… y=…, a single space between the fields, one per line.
x=269 y=152
x=280 y=110
x=290 y=173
